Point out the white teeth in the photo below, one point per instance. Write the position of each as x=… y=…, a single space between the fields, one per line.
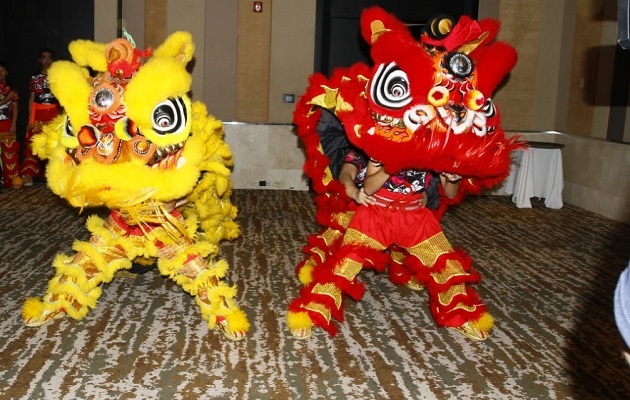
x=371 y=131
x=181 y=162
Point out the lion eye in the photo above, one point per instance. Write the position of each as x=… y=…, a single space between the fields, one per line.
x=459 y=65
x=170 y=116
x=390 y=87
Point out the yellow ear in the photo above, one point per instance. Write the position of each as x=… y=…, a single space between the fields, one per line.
x=69 y=83
x=89 y=54
x=179 y=46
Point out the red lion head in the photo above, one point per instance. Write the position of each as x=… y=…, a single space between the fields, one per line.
x=427 y=103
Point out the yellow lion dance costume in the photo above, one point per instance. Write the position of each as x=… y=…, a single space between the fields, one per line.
x=133 y=141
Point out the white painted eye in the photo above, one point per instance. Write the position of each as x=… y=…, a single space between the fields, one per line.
x=390 y=87
x=170 y=116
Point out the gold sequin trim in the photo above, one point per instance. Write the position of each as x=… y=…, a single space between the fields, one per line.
x=328 y=99
x=446 y=298
x=319 y=252
x=169 y=251
x=343 y=219
x=429 y=250
x=329 y=289
x=355 y=237
x=320 y=309
x=461 y=306
x=453 y=268
x=348 y=269
x=329 y=236
x=397 y=256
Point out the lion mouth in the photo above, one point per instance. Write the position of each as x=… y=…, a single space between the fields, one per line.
x=387 y=120
x=167 y=157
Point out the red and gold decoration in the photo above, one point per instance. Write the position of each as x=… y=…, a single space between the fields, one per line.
x=425 y=104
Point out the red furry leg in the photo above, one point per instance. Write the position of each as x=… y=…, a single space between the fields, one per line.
x=322 y=299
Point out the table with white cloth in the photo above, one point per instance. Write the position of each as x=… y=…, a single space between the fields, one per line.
x=536 y=172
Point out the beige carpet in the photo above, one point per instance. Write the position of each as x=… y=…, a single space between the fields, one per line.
x=548 y=276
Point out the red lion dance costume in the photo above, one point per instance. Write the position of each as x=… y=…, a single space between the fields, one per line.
x=424 y=105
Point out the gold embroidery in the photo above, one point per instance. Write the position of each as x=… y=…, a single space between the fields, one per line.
x=343 y=219
x=397 y=256
x=319 y=252
x=461 y=306
x=348 y=269
x=328 y=99
x=329 y=289
x=453 y=268
x=355 y=237
x=447 y=297
x=330 y=236
x=429 y=250
x=320 y=309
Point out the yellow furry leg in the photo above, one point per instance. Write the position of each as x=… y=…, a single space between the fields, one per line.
x=75 y=288
x=186 y=265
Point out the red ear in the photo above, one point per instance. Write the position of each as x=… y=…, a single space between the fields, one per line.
x=494 y=62
x=491 y=26
x=375 y=21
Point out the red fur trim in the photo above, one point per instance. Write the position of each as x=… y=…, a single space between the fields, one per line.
x=318 y=319
x=398 y=274
x=446 y=316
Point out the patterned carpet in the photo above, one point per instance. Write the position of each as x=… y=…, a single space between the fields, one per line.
x=549 y=277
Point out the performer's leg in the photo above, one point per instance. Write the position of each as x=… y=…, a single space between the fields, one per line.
x=187 y=265
x=318 y=248
x=30 y=163
x=399 y=272
x=322 y=299
x=447 y=274
x=10 y=153
x=76 y=286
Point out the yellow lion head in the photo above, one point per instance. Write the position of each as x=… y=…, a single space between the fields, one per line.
x=131 y=134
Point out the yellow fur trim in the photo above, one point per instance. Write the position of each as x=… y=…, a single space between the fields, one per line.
x=305 y=275
x=32 y=308
x=484 y=323
x=89 y=54
x=178 y=45
x=298 y=320
x=237 y=320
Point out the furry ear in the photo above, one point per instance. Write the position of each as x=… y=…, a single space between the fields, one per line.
x=69 y=83
x=179 y=46
x=493 y=63
x=87 y=53
x=375 y=22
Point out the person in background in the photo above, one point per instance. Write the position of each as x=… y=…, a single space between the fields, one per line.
x=622 y=308
x=43 y=107
x=9 y=147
